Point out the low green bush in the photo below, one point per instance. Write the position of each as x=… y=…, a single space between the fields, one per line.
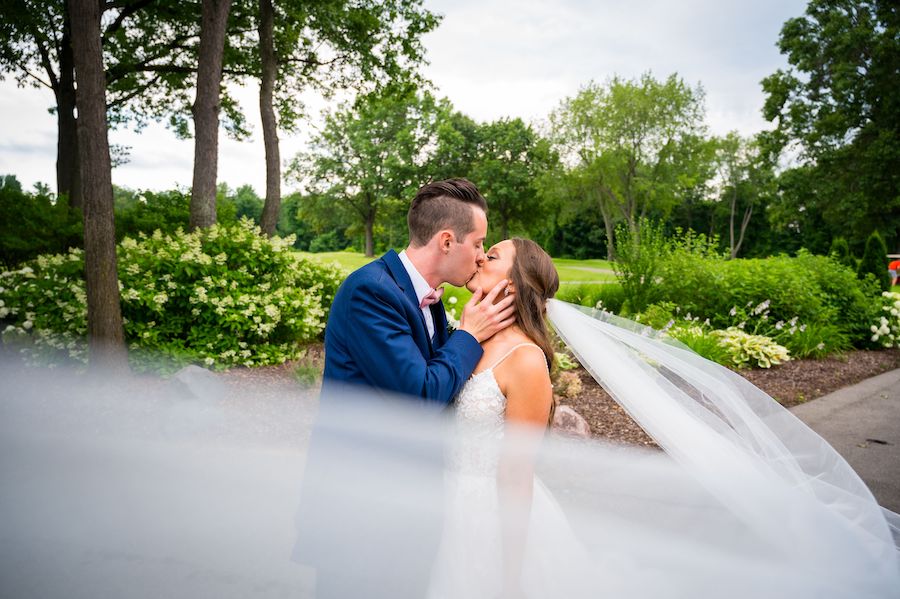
x=749 y=350
x=610 y=295
x=222 y=296
x=703 y=342
x=638 y=256
x=853 y=303
x=815 y=340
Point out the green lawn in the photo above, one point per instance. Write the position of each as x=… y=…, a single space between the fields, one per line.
x=570 y=272
x=349 y=261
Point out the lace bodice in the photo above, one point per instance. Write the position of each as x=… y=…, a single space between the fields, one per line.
x=480 y=412
x=481 y=405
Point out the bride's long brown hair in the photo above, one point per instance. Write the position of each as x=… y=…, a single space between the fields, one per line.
x=536 y=281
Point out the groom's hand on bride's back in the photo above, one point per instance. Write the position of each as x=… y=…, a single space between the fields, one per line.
x=482 y=318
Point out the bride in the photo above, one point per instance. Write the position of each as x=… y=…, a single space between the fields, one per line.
x=484 y=546
x=756 y=504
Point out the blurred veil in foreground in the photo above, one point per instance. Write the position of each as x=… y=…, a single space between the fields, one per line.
x=123 y=487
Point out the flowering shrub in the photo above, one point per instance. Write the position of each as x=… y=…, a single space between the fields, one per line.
x=746 y=349
x=886 y=329
x=802 y=340
x=223 y=296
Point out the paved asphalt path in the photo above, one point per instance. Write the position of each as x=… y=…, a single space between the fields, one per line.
x=862 y=422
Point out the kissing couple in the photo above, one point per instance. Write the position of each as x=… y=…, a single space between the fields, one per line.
x=465 y=516
x=388 y=331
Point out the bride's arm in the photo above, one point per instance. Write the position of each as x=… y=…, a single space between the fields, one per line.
x=529 y=396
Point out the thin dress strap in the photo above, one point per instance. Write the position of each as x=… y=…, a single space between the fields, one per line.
x=511 y=350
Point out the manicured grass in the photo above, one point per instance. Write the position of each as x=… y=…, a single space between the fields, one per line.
x=596 y=264
x=349 y=261
x=570 y=271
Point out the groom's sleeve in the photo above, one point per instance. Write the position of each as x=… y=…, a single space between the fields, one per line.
x=380 y=341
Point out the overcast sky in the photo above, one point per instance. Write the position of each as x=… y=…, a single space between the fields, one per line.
x=492 y=59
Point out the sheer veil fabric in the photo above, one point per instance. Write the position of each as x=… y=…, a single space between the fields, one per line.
x=784 y=485
x=113 y=486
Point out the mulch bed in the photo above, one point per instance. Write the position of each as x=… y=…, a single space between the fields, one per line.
x=791 y=383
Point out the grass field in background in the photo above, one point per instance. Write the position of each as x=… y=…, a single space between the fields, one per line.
x=571 y=272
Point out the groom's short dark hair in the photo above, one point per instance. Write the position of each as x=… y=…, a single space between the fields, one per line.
x=443 y=205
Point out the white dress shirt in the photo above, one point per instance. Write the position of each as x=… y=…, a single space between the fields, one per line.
x=421 y=287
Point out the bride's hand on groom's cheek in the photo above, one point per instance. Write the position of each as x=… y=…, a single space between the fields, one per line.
x=482 y=318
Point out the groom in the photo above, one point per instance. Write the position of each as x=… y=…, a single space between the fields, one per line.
x=387 y=337
x=387 y=327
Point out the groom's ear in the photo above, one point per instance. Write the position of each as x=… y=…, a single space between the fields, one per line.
x=445 y=240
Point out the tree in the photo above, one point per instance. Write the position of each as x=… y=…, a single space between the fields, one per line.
x=106 y=337
x=636 y=142
x=371 y=152
x=874 y=261
x=268 y=76
x=330 y=45
x=213 y=22
x=456 y=150
x=572 y=227
x=840 y=251
x=837 y=109
x=148 y=52
x=744 y=178
x=509 y=161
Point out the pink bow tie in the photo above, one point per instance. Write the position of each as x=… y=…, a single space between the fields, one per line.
x=433 y=297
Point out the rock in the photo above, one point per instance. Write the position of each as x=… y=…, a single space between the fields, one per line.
x=570 y=423
x=197 y=383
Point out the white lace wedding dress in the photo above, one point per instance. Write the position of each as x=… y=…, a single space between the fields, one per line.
x=469 y=563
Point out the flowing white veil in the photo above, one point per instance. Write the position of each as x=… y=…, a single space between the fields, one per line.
x=142 y=488
x=772 y=472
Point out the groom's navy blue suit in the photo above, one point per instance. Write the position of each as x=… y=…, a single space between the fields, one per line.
x=376 y=336
x=372 y=539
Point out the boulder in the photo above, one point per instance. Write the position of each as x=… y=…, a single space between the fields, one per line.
x=570 y=423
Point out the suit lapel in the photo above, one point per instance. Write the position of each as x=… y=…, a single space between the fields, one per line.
x=440 y=323
x=401 y=277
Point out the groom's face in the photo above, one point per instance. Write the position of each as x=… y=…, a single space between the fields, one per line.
x=467 y=254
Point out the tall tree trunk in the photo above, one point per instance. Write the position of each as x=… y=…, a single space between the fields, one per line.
x=267 y=112
x=744 y=222
x=370 y=237
x=206 y=112
x=106 y=341
x=606 y=213
x=68 y=169
x=731 y=223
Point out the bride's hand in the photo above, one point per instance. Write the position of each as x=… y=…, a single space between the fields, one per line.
x=482 y=318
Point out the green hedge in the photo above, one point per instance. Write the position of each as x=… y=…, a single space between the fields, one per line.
x=814 y=289
x=34 y=223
